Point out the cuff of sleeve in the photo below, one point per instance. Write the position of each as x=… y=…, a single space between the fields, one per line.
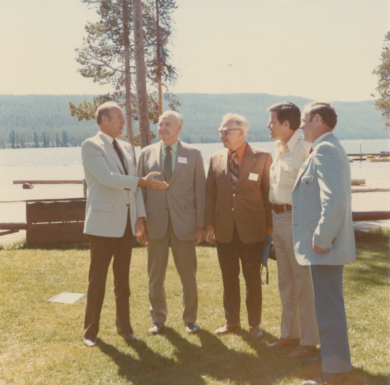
x=134 y=185
x=321 y=242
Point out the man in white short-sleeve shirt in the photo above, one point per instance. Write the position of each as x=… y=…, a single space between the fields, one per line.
x=299 y=324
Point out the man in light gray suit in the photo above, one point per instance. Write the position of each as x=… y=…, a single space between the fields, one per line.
x=114 y=214
x=175 y=217
x=323 y=234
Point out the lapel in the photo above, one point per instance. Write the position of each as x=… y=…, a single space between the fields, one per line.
x=157 y=154
x=247 y=165
x=309 y=159
x=109 y=149
x=303 y=169
x=225 y=168
x=182 y=152
x=129 y=166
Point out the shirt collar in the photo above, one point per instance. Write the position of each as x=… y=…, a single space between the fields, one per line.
x=318 y=140
x=108 y=137
x=240 y=150
x=173 y=147
x=292 y=142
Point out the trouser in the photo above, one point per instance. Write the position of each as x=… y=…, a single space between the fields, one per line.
x=102 y=250
x=184 y=256
x=229 y=256
x=295 y=286
x=331 y=318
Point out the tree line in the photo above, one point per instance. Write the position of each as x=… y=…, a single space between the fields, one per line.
x=202 y=115
x=23 y=139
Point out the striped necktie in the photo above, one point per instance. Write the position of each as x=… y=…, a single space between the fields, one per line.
x=234 y=170
x=168 y=164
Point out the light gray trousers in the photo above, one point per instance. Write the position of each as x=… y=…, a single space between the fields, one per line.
x=332 y=320
x=184 y=256
x=295 y=285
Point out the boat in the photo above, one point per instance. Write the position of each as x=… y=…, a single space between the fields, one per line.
x=375 y=159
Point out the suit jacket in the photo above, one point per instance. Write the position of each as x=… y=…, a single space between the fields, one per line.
x=322 y=207
x=110 y=191
x=183 y=200
x=247 y=205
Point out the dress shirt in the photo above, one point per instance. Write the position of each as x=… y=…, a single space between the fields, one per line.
x=108 y=137
x=285 y=167
x=240 y=152
x=173 y=154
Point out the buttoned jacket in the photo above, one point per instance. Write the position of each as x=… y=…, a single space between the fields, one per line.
x=322 y=206
x=110 y=191
x=183 y=201
x=247 y=205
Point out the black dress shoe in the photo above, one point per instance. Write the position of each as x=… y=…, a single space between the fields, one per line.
x=191 y=328
x=90 y=341
x=156 y=328
x=129 y=336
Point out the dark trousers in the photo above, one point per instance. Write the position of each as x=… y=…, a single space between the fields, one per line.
x=102 y=250
x=229 y=255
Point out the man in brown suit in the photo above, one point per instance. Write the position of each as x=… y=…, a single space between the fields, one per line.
x=238 y=214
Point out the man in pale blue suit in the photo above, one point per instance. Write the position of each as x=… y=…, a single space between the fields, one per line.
x=323 y=234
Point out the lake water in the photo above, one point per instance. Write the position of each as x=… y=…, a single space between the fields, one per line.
x=65 y=163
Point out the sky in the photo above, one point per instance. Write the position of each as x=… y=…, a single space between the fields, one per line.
x=322 y=50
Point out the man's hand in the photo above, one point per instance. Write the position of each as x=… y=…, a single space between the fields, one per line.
x=199 y=235
x=318 y=249
x=210 y=231
x=139 y=227
x=140 y=231
x=150 y=182
x=270 y=231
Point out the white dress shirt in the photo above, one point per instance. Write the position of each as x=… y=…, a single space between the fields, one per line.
x=285 y=168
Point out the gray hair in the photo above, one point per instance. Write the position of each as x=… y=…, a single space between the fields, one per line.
x=104 y=110
x=239 y=120
x=179 y=118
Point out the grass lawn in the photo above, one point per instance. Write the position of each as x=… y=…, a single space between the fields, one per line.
x=41 y=342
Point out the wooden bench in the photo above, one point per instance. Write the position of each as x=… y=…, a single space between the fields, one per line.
x=55 y=221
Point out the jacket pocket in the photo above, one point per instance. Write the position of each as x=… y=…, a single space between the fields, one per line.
x=103 y=206
x=307 y=179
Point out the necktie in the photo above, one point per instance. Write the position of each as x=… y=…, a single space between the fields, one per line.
x=120 y=155
x=168 y=164
x=311 y=150
x=234 y=170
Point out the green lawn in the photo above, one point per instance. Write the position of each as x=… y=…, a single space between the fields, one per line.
x=41 y=342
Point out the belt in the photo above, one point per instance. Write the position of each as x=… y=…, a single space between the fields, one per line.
x=280 y=208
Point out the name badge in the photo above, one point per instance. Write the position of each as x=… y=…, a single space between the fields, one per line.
x=254 y=177
x=303 y=166
x=180 y=159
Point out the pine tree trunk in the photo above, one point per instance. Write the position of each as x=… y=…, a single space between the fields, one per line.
x=158 y=75
x=126 y=38
x=142 y=96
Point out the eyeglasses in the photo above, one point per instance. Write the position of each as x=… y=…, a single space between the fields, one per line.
x=225 y=132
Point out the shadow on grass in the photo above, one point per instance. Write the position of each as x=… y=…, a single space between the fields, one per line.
x=372 y=267
x=193 y=364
